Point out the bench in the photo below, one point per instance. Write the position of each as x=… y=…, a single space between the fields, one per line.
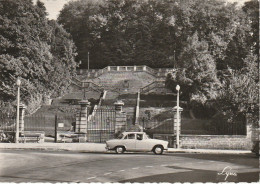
x=69 y=137
x=32 y=137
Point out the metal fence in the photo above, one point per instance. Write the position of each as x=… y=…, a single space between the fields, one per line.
x=193 y=127
x=46 y=123
x=101 y=126
x=7 y=128
x=7 y=123
x=228 y=128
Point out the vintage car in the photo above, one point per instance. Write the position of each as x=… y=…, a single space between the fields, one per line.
x=136 y=141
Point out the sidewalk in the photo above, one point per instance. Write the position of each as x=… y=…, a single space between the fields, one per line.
x=100 y=148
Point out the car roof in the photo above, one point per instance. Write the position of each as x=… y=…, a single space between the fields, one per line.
x=133 y=132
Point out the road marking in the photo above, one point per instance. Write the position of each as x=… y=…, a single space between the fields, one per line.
x=108 y=173
x=136 y=168
x=148 y=166
x=121 y=171
x=91 y=178
x=211 y=161
x=164 y=165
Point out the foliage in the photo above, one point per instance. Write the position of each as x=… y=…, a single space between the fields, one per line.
x=197 y=73
x=125 y=32
x=240 y=96
x=251 y=9
x=36 y=50
x=218 y=65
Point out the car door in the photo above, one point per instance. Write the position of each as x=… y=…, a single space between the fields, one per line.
x=129 y=142
x=141 y=142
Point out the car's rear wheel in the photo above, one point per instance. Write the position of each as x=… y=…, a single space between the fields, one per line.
x=120 y=149
x=158 y=150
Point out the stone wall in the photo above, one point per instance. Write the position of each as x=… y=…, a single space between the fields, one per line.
x=237 y=142
x=120 y=125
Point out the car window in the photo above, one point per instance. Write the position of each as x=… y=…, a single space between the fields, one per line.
x=131 y=136
x=120 y=136
x=139 y=136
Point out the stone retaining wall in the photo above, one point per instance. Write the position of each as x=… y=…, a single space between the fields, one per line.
x=235 y=142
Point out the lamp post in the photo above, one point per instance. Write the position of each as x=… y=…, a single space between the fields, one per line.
x=18 y=83
x=178 y=118
x=88 y=60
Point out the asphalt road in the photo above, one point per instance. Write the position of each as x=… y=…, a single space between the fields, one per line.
x=60 y=166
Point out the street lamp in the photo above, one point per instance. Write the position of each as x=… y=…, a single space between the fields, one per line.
x=88 y=60
x=18 y=83
x=178 y=117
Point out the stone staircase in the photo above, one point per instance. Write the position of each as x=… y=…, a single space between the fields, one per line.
x=124 y=79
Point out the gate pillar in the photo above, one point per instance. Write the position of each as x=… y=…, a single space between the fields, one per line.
x=81 y=119
x=175 y=119
x=22 y=108
x=177 y=124
x=120 y=123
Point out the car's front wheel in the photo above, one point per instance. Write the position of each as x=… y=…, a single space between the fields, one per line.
x=158 y=150
x=120 y=149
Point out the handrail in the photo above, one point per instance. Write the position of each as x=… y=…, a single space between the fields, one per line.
x=92 y=83
x=86 y=84
x=101 y=99
x=154 y=84
x=142 y=68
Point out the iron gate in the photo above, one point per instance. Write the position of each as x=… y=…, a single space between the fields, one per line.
x=101 y=124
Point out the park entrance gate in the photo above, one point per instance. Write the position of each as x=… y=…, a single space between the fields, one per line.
x=101 y=124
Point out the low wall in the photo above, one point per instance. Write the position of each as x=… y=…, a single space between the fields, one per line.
x=93 y=73
x=235 y=142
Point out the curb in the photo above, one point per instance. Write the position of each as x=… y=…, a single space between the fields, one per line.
x=208 y=151
x=89 y=147
x=100 y=148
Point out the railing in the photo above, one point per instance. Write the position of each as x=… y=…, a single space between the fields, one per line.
x=151 y=71
x=151 y=86
x=160 y=72
x=101 y=99
x=92 y=85
x=76 y=81
x=101 y=127
x=7 y=123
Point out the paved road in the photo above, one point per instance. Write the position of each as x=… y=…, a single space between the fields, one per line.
x=47 y=166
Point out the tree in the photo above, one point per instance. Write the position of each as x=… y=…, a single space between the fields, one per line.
x=196 y=73
x=240 y=95
x=251 y=8
x=38 y=51
x=125 y=32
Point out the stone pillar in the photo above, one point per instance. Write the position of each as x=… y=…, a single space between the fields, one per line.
x=144 y=68
x=175 y=119
x=117 y=68
x=249 y=131
x=81 y=119
x=120 y=125
x=108 y=68
x=22 y=108
x=134 y=68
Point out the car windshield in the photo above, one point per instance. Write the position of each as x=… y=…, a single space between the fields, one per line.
x=120 y=136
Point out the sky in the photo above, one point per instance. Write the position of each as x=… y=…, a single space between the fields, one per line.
x=54 y=6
